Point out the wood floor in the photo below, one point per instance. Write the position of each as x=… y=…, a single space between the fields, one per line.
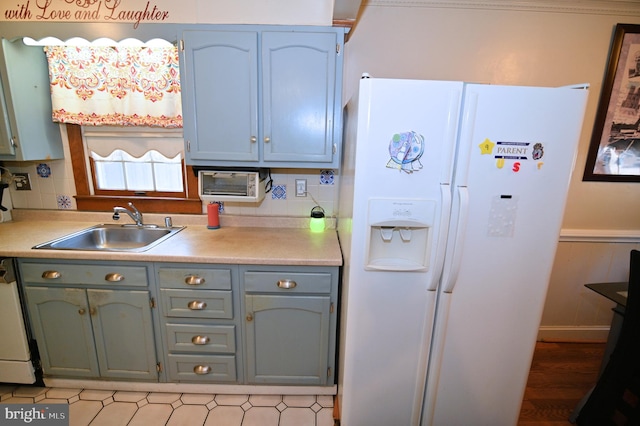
x=561 y=374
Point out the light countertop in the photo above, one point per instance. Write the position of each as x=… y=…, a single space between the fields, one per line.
x=240 y=240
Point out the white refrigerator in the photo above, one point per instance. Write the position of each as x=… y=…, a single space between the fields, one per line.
x=451 y=203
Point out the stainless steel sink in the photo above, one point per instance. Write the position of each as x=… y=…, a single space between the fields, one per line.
x=111 y=237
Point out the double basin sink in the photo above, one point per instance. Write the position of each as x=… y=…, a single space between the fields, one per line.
x=112 y=237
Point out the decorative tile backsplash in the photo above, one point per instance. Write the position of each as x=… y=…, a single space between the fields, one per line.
x=53 y=188
x=326 y=177
x=279 y=192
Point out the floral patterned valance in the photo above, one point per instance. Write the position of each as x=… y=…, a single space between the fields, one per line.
x=124 y=86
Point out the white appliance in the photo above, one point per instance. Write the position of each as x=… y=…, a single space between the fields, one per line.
x=232 y=185
x=451 y=203
x=15 y=357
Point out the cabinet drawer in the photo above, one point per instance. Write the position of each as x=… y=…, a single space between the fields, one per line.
x=196 y=278
x=70 y=274
x=287 y=282
x=197 y=304
x=201 y=338
x=202 y=368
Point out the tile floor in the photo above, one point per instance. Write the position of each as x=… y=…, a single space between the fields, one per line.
x=114 y=408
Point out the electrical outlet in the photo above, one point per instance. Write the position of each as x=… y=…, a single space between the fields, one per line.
x=301 y=187
x=22 y=181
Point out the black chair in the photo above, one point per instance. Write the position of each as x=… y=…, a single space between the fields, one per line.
x=615 y=400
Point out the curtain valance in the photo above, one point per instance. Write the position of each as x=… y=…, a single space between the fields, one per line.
x=125 y=86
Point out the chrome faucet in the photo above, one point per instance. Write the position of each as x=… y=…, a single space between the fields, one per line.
x=134 y=213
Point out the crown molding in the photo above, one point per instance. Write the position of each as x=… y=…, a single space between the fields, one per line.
x=596 y=7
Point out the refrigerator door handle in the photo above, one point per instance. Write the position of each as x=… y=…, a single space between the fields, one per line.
x=445 y=212
x=451 y=277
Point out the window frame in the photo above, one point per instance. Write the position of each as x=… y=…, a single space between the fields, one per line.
x=87 y=201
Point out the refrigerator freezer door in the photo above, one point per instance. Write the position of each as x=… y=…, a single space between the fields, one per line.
x=515 y=159
x=404 y=146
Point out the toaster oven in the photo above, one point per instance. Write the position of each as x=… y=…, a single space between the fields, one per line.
x=232 y=185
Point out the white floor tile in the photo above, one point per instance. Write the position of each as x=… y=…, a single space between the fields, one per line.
x=163 y=397
x=62 y=393
x=115 y=414
x=325 y=400
x=188 y=415
x=152 y=414
x=82 y=412
x=196 y=398
x=297 y=417
x=96 y=395
x=134 y=408
x=324 y=417
x=231 y=399
x=124 y=396
x=299 y=400
x=18 y=400
x=29 y=391
x=225 y=415
x=265 y=400
x=261 y=416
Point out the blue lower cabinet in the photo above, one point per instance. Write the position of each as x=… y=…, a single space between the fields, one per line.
x=200 y=305
x=290 y=324
x=88 y=326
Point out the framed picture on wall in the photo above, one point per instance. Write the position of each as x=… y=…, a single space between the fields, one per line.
x=614 y=152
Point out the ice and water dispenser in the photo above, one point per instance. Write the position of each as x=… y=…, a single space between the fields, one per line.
x=400 y=234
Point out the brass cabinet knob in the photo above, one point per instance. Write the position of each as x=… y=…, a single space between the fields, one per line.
x=81 y=311
x=114 y=277
x=194 y=280
x=249 y=317
x=196 y=305
x=287 y=284
x=267 y=139
x=51 y=275
x=200 y=340
x=202 y=369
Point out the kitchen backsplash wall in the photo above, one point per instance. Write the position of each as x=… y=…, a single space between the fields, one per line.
x=53 y=188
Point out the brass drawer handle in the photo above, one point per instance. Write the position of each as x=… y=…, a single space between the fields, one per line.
x=51 y=275
x=202 y=369
x=81 y=311
x=200 y=340
x=287 y=284
x=196 y=305
x=194 y=280
x=114 y=277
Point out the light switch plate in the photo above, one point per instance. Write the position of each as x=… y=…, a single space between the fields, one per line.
x=301 y=187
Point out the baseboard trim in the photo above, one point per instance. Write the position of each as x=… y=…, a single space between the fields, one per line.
x=573 y=334
x=600 y=235
x=229 y=389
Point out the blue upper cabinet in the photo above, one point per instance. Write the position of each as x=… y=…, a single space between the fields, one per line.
x=27 y=131
x=263 y=96
x=220 y=96
x=298 y=96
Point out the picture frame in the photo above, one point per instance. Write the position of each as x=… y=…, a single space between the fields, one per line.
x=614 y=151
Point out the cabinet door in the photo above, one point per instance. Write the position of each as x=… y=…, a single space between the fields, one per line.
x=123 y=332
x=26 y=121
x=220 y=95
x=62 y=328
x=287 y=339
x=298 y=88
x=6 y=145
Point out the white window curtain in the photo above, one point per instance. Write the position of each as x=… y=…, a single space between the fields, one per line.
x=124 y=86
